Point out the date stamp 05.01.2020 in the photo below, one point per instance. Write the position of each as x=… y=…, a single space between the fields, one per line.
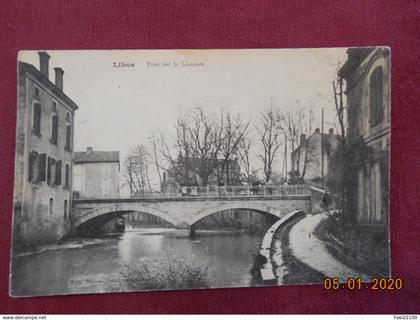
x=379 y=283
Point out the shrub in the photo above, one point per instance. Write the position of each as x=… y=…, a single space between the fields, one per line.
x=174 y=273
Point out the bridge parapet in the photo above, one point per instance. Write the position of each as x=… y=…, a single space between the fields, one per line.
x=322 y=200
x=215 y=192
x=190 y=199
x=229 y=191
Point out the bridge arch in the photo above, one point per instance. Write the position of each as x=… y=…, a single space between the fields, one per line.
x=116 y=210
x=256 y=207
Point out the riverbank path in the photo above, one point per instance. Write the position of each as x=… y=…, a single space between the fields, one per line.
x=313 y=252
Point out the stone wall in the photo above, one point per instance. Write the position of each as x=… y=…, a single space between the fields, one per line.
x=183 y=213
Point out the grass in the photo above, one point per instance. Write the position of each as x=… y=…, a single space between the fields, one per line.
x=173 y=273
x=361 y=247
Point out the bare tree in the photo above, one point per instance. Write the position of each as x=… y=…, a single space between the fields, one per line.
x=295 y=123
x=339 y=107
x=137 y=170
x=190 y=156
x=338 y=168
x=234 y=131
x=269 y=130
x=244 y=148
x=154 y=156
x=173 y=151
x=206 y=136
x=249 y=173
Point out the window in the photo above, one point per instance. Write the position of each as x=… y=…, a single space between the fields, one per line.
x=67 y=176
x=65 y=209
x=376 y=97
x=377 y=190
x=51 y=171
x=54 y=129
x=33 y=167
x=36 y=93
x=37 y=167
x=58 y=171
x=36 y=123
x=42 y=167
x=68 y=138
x=51 y=206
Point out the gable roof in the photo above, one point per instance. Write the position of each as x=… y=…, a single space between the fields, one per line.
x=26 y=67
x=96 y=156
x=325 y=135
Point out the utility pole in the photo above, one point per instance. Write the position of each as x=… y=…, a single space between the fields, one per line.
x=322 y=150
x=284 y=169
x=285 y=156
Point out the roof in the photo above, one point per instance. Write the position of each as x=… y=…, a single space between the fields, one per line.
x=355 y=56
x=325 y=135
x=96 y=156
x=26 y=67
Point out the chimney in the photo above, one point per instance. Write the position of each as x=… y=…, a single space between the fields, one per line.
x=59 y=78
x=89 y=150
x=317 y=130
x=302 y=139
x=331 y=131
x=43 y=63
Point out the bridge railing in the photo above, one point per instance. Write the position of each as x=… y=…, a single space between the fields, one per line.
x=322 y=200
x=228 y=191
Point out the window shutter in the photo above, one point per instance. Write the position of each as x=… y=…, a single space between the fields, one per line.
x=379 y=96
x=376 y=97
x=49 y=170
x=67 y=176
x=54 y=136
x=68 y=137
x=37 y=118
x=31 y=166
x=58 y=169
x=372 y=100
x=53 y=171
x=42 y=169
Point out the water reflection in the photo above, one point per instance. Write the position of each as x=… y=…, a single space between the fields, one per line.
x=95 y=268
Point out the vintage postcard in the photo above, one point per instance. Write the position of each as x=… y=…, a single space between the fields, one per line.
x=143 y=170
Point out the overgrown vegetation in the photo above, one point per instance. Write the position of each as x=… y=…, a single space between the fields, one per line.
x=362 y=247
x=173 y=273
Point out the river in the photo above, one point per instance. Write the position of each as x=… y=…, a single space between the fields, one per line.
x=227 y=255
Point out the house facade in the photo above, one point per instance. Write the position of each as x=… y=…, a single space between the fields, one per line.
x=44 y=151
x=96 y=174
x=367 y=75
x=306 y=159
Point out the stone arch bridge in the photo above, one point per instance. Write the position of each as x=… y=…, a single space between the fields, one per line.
x=184 y=212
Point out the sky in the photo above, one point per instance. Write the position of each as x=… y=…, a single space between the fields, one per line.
x=118 y=106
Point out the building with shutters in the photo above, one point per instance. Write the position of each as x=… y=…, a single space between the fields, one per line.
x=306 y=159
x=96 y=174
x=367 y=75
x=44 y=152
